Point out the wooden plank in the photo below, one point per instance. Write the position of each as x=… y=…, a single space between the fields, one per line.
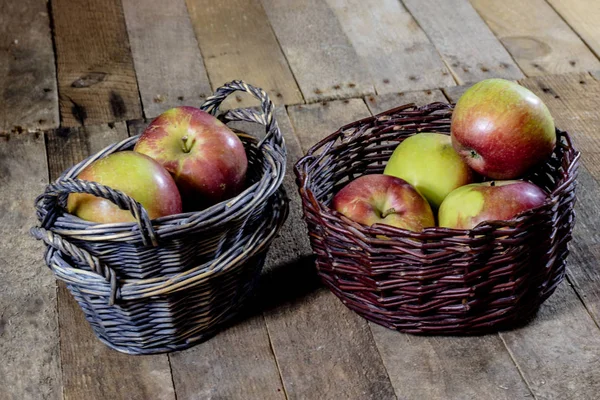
x=391 y=44
x=29 y=340
x=453 y=93
x=445 y=367
x=572 y=100
x=236 y=364
x=323 y=349
x=313 y=122
x=536 y=36
x=596 y=74
x=583 y=17
x=168 y=64
x=379 y=104
x=90 y=369
x=324 y=62
x=557 y=352
x=96 y=79
x=237 y=42
x=27 y=73
x=468 y=47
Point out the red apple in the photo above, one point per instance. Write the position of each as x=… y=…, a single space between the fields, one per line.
x=502 y=129
x=384 y=199
x=207 y=160
x=472 y=204
x=135 y=174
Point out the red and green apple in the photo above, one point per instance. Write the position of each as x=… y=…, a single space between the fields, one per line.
x=135 y=174
x=502 y=129
x=207 y=160
x=383 y=199
x=469 y=205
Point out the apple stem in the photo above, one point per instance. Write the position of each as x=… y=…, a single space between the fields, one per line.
x=388 y=212
x=185 y=147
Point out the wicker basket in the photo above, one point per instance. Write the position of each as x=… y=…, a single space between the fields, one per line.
x=166 y=284
x=439 y=281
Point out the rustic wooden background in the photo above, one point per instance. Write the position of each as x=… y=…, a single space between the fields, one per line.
x=76 y=75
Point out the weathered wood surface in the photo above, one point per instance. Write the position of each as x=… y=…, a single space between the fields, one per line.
x=583 y=17
x=469 y=48
x=237 y=42
x=325 y=64
x=90 y=369
x=29 y=339
x=96 y=77
x=28 y=96
x=379 y=104
x=168 y=64
x=558 y=352
x=396 y=51
x=323 y=349
x=539 y=40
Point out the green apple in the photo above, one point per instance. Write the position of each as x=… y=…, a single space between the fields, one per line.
x=428 y=162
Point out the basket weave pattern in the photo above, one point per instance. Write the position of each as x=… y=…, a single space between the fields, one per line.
x=166 y=284
x=439 y=281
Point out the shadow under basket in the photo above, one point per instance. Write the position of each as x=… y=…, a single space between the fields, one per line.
x=439 y=281
x=166 y=284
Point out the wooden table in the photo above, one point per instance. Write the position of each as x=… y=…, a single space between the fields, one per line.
x=77 y=75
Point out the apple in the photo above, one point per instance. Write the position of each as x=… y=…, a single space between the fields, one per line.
x=472 y=204
x=134 y=174
x=384 y=199
x=207 y=160
x=502 y=129
x=429 y=163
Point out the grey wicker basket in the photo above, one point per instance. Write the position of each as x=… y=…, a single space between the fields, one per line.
x=166 y=284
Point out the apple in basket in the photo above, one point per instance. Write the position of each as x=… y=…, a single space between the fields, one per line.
x=384 y=199
x=135 y=174
x=502 y=129
x=472 y=204
x=429 y=163
x=207 y=160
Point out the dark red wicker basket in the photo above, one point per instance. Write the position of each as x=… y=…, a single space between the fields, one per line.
x=439 y=281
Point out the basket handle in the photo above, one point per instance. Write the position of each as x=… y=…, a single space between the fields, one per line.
x=82 y=256
x=61 y=188
x=265 y=117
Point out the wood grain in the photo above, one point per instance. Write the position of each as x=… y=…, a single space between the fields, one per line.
x=379 y=104
x=322 y=58
x=168 y=64
x=96 y=79
x=468 y=47
x=27 y=74
x=237 y=42
x=453 y=93
x=236 y=364
x=29 y=340
x=572 y=100
x=557 y=352
x=313 y=122
x=323 y=349
x=536 y=36
x=90 y=369
x=583 y=17
x=444 y=367
x=391 y=44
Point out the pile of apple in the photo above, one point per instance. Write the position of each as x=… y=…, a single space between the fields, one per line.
x=185 y=160
x=499 y=132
